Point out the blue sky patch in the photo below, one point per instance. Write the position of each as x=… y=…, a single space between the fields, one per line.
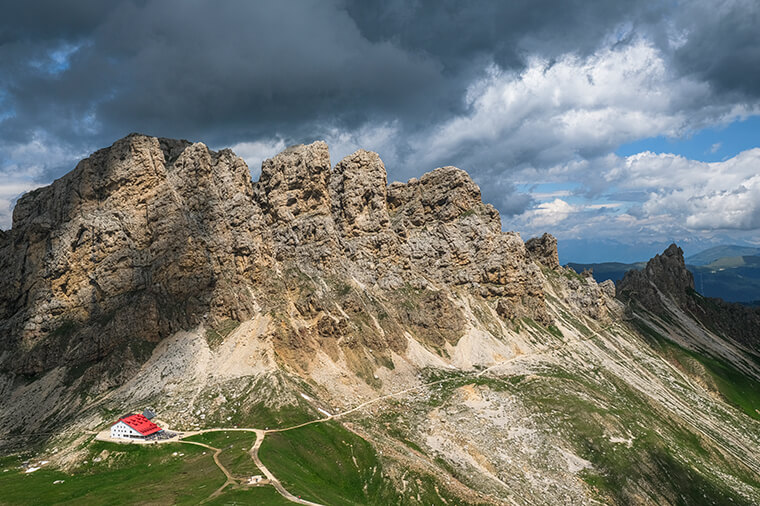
x=711 y=144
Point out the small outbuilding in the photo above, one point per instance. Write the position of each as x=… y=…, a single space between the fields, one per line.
x=256 y=480
x=135 y=427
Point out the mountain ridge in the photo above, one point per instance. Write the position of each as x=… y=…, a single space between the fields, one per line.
x=465 y=363
x=181 y=235
x=667 y=275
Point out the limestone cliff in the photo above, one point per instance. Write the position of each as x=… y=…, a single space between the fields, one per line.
x=140 y=240
x=151 y=236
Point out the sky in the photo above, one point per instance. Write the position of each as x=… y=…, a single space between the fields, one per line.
x=617 y=126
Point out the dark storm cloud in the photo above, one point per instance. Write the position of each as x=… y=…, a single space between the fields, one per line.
x=50 y=20
x=231 y=70
x=722 y=44
x=504 y=196
x=459 y=33
x=187 y=68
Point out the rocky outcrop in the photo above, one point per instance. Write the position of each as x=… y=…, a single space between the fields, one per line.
x=666 y=279
x=456 y=240
x=358 y=189
x=608 y=288
x=544 y=250
x=664 y=273
x=585 y=296
x=293 y=195
x=140 y=240
x=151 y=235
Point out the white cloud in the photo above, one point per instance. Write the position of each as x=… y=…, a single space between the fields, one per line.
x=255 y=152
x=549 y=214
x=549 y=195
x=651 y=171
x=9 y=193
x=381 y=138
x=680 y=199
x=609 y=205
x=573 y=109
x=730 y=209
x=700 y=195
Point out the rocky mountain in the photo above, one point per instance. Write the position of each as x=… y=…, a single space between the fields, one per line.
x=461 y=363
x=731 y=278
x=665 y=281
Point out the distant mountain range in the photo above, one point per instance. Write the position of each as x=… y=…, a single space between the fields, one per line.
x=711 y=255
x=731 y=273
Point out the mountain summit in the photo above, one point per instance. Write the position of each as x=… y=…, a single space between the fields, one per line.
x=665 y=286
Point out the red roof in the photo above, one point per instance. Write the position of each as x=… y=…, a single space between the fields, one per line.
x=141 y=424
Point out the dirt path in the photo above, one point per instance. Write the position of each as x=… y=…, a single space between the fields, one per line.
x=230 y=479
x=254 y=453
x=261 y=434
x=400 y=392
x=272 y=478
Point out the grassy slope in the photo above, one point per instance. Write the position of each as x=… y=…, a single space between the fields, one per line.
x=129 y=475
x=134 y=474
x=737 y=283
x=735 y=387
x=711 y=255
x=327 y=463
x=323 y=462
x=317 y=462
x=260 y=496
x=663 y=462
x=235 y=446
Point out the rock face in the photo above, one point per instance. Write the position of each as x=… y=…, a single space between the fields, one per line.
x=455 y=239
x=664 y=273
x=294 y=198
x=666 y=277
x=140 y=240
x=150 y=236
x=359 y=207
x=544 y=250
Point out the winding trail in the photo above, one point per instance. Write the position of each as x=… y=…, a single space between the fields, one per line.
x=254 y=453
x=272 y=479
x=395 y=394
x=230 y=479
x=261 y=434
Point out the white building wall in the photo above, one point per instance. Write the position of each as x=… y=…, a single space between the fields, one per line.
x=122 y=430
